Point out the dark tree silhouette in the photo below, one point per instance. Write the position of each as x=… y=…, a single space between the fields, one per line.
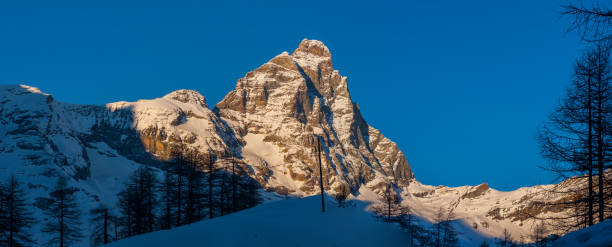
x=577 y=135
x=195 y=192
x=417 y=234
x=137 y=202
x=15 y=220
x=248 y=193
x=102 y=225
x=318 y=148
x=65 y=215
x=506 y=239
x=234 y=183
x=178 y=171
x=593 y=21
x=391 y=201
x=167 y=190
x=539 y=235
x=210 y=172
x=342 y=196
x=602 y=126
x=442 y=233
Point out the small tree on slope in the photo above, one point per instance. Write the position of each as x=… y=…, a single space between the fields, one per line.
x=15 y=219
x=65 y=215
x=102 y=222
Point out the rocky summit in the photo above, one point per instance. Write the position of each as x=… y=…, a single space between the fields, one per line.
x=293 y=99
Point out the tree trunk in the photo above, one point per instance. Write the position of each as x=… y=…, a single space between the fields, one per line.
x=321 y=176
x=106 y=226
x=600 y=143
x=11 y=211
x=211 y=167
x=179 y=194
x=590 y=150
x=233 y=185
x=61 y=220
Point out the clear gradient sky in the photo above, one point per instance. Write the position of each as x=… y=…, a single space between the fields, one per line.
x=460 y=86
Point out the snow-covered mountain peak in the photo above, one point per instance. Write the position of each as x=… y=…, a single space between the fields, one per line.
x=21 y=88
x=312 y=47
x=23 y=100
x=187 y=96
x=17 y=90
x=290 y=101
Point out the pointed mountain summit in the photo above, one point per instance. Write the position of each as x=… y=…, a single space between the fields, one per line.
x=187 y=96
x=293 y=99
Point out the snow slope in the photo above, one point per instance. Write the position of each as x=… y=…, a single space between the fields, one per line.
x=598 y=235
x=292 y=222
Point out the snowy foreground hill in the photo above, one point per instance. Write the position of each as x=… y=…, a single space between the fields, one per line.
x=597 y=235
x=269 y=123
x=292 y=222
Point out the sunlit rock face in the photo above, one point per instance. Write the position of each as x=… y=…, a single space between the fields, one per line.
x=179 y=122
x=293 y=99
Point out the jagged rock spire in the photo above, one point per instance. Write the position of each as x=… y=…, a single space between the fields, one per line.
x=294 y=97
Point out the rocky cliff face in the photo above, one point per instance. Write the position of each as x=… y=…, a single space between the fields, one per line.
x=293 y=99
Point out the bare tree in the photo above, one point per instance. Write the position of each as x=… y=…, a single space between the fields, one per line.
x=138 y=202
x=539 y=235
x=211 y=170
x=593 y=21
x=178 y=171
x=450 y=234
x=506 y=240
x=577 y=135
x=15 y=216
x=167 y=189
x=65 y=215
x=602 y=107
x=318 y=148
x=342 y=196
x=102 y=222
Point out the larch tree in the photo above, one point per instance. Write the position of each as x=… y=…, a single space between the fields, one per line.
x=65 y=215
x=506 y=239
x=167 y=188
x=211 y=170
x=576 y=137
x=602 y=127
x=450 y=234
x=592 y=21
x=138 y=202
x=102 y=219
x=15 y=216
x=178 y=170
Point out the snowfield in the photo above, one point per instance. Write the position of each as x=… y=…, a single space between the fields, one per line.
x=598 y=235
x=296 y=222
x=291 y=222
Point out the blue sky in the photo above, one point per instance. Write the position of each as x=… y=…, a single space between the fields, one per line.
x=460 y=86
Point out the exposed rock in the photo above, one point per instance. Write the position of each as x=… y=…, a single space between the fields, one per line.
x=293 y=99
x=478 y=191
